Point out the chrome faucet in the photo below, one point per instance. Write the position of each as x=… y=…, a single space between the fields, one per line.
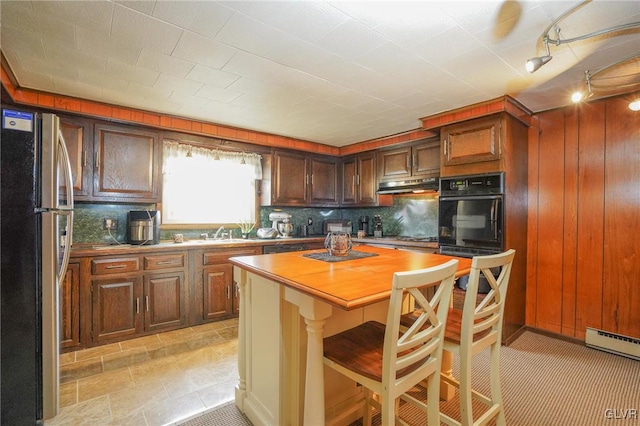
x=218 y=232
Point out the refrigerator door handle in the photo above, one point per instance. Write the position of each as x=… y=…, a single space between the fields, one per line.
x=66 y=255
x=65 y=164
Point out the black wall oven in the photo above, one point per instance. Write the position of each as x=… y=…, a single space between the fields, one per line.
x=470 y=215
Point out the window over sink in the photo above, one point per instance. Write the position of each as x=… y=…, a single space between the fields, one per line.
x=204 y=186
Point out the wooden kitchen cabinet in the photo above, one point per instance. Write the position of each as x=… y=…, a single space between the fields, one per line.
x=127 y=164
x=115 y=308
x=421 y=159
x=299 y=179
x=472 y=142
x=137 y=294
x=216 y=293
x=112 y=162
x=70 y=308
x=359 y=181
x=77 y=133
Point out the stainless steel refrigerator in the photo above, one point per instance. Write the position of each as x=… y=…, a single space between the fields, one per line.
x=36 y=234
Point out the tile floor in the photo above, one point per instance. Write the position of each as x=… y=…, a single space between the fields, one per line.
x=153 y=380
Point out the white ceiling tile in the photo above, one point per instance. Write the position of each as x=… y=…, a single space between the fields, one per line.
x=307 y=20
x=146 y=92
x=251 y=66
x=217 y=94
x=164 y=63
x=75 y=88
x=143 y=30
x=351 y=39
x=94 y=43
x=117 y=69
x=211 y=76
x=22 y=43
x=102 y=80
x=89 y=14
x=204 y=17
x=249 y=35
x=144 y=6
x=201 y=50
x=187 y=100
x=175 y=84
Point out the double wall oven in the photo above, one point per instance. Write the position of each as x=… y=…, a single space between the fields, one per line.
x=470 y=215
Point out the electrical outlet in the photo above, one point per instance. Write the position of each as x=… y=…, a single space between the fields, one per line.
x=109 y=223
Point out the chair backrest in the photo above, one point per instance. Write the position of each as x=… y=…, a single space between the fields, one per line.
x=410 y=354
x=484 y=319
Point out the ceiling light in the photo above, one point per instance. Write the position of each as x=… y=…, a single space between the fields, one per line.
x=635 y=105
x=534 y=63
x=580 y=95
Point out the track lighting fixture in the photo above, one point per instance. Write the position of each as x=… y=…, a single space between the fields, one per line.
x=579 y=95
x=534 y=64
x=635 y=104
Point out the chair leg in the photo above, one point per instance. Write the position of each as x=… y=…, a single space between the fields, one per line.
x=496 y=392
x=466 y=411
x=433 y=402
x=388 y=410
x=366 y=418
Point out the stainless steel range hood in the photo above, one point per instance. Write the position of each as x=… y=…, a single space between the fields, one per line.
x=409 y=185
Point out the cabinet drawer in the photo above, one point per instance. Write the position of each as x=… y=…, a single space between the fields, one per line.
x=164 y=261
x=222 y=256
x=115 y=265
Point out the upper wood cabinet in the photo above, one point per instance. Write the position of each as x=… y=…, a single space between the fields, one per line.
x=359 y=181
x=77 y=133
x=419 y=159
x=112 y=162
x=304 y=180
x=472 y=142
x=126 y=163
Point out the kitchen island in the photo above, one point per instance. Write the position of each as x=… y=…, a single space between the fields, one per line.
x=288 y=303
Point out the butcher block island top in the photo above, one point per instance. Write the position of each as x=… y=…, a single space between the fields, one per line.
x=347 y=284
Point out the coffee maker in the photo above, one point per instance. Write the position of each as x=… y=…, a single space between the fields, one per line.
x=364 y=224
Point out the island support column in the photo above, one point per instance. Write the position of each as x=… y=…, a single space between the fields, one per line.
x=315 y=314
x=240 y=277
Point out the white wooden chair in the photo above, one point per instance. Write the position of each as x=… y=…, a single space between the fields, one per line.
x=389 y=361
x=477 y=327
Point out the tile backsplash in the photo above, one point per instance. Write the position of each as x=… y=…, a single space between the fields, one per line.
x=411 y=215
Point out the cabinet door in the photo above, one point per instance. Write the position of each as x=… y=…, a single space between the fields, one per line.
x=323 y=179
x=127 y=163
x=471 y=142
x=289 y=178
x=349 y=181
x=367 y=182
x=77 y=137
x=217 y=292
x=116 y=307
x=164 y=304
x=395 y=164
x=426 y=159
x=70 y=307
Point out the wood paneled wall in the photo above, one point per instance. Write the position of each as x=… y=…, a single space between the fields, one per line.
x=584 y=219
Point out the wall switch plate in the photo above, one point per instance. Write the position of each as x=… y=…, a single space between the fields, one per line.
x=109 y=223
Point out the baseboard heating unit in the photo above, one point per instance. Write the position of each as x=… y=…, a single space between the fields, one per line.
x=614 y=343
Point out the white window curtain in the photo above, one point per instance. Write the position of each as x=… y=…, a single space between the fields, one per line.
x=208 y=186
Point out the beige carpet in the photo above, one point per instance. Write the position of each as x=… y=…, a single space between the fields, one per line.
x=545 y=382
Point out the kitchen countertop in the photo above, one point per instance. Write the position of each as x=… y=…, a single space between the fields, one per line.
x=88 y=249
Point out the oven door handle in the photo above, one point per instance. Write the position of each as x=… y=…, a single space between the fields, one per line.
x=472 y=198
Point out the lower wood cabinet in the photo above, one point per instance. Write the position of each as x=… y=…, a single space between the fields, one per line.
x=216 y=292
x=134 y=295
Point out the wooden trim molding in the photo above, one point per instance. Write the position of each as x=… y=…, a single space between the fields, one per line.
x=502 y=104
